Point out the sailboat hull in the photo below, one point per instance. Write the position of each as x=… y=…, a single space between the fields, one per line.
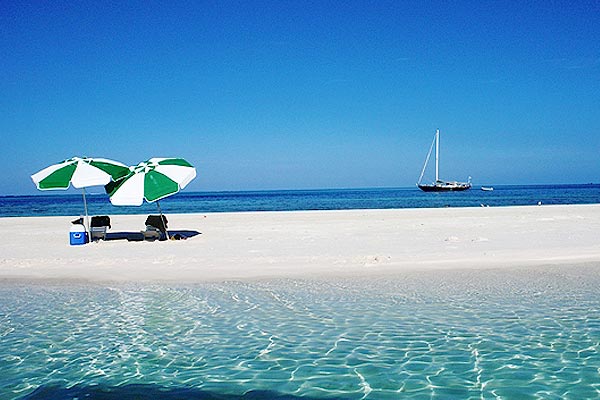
x=445 y=187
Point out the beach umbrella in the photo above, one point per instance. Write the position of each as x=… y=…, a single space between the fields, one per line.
x=152 y=181
x=81 y=172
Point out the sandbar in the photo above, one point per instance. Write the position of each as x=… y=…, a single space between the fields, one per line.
x=306 y=244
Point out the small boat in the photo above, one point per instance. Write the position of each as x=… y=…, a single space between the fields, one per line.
x=440 y=185
x=487 y=188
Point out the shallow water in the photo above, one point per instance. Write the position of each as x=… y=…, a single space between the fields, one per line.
x=466 y=334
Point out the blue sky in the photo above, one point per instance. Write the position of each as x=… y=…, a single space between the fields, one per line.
x=304 y=94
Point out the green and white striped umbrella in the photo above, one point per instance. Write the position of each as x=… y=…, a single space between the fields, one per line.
x=151 y=180
x=81 y=172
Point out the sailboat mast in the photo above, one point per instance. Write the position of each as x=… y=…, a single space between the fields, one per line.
x=437 y=154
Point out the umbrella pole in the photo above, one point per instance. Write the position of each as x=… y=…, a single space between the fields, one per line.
x=87 y=219
x=162 y=220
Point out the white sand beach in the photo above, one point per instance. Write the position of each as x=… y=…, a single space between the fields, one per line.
x=252 y=245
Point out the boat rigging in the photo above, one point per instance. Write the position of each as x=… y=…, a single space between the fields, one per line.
x=440 y=185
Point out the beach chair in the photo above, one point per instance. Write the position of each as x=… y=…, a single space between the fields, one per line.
x=156 y=227
x=99 y=225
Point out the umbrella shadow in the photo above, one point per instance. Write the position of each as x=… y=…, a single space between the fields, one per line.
x=139 y=236
x=183 y=234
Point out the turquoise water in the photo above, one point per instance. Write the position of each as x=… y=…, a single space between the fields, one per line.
x=512 y=334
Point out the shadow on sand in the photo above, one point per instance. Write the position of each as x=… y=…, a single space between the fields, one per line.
x=138 y=392
x=139 y=236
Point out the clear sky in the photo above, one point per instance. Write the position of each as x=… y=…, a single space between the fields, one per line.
x=304 y=94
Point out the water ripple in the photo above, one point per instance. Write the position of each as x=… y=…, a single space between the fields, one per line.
x=489 y=334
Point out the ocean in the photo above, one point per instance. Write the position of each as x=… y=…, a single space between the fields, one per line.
x=524 y=333
x=71 y=203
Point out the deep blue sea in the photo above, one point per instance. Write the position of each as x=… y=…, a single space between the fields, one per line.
x=490 y=334
x=71 y=203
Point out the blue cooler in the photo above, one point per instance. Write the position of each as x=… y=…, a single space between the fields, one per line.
x=78 y=235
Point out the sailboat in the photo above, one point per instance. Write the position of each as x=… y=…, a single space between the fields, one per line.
x=440 y=185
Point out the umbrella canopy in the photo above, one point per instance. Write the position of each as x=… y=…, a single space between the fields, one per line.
x=151 y=180
x=81 y=172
